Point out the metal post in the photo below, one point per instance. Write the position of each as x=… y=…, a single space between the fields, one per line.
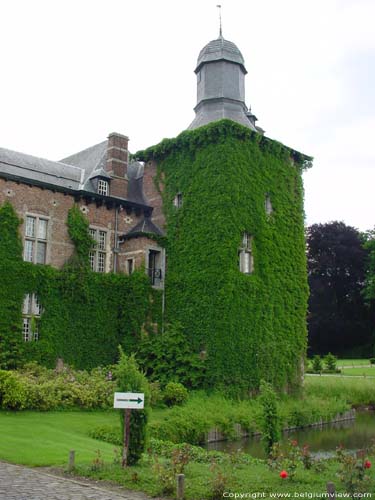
x=71 y=460
x=126 y=437
x=331 y=491
x=180 y=489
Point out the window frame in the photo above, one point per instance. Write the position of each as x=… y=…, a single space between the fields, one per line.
x=34 y=241
x=98 y=255
x=31 y=313
x=103 y=187
x=245 y=254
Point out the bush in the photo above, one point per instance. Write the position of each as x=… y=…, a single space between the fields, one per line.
x=270 y=420
x=175 y=394
x=317 y=364
x=330 y=362
x=130 y=379
x=372 y=361
x=38 y=388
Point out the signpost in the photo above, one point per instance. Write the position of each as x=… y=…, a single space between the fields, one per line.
x=128 y=401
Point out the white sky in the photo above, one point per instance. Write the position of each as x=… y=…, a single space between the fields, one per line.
x=73 y=71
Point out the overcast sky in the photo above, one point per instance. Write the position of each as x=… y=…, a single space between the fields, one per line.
x=74 y=71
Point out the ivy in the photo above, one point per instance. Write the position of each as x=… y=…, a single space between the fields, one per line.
x=250 y=327
x=86 y=315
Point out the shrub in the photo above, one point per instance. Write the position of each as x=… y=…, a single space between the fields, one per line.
x=372 y=361
x=317 y=364
x=270 y=420
x=130 y=379
x=330 y=362
x=168 y=357
x=13 y=392
x=175 y=394
x=49 y=390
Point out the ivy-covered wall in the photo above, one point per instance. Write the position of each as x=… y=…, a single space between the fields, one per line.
x=251 y=327
x=85 y=316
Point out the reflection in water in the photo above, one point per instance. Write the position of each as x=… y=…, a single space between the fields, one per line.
x=351 y=434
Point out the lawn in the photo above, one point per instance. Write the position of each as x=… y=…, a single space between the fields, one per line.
x=41 y=439
x=352 y=362
x=364 y=371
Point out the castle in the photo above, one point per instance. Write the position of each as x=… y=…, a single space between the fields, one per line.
x=215 y=216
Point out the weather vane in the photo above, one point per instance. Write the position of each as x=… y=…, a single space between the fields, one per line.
x=221 y=32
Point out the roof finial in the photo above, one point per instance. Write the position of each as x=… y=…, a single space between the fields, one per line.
x=221 y=31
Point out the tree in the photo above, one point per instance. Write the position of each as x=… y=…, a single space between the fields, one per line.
x=338 y=320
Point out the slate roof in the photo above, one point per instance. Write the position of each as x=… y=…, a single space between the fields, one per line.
x=220 y=49
x=23 y=166
x=73 y=173
x=144 y=228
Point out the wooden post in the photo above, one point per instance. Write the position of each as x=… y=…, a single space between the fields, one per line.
x=331 y=491
x=71 y=460
x=125 y=449
x=180 y=486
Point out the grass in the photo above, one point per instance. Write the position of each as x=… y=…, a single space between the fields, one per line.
x=355 y=391
x=352 y=362
x=45 y=438
x=364 y=371
x=251 y=478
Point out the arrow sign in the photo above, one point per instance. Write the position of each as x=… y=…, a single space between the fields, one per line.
x=132 y=400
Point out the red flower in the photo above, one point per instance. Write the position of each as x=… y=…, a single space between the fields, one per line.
x=283 y=474
x=294 y=442
x=367 y=464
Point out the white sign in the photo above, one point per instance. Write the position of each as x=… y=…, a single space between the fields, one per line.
x=133 y=400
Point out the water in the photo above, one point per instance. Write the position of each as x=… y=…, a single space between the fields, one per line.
x=351 y=434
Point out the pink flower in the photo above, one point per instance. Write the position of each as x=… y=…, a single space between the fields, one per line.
x=283 y=474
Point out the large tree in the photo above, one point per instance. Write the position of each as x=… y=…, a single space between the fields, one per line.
x=339 y=321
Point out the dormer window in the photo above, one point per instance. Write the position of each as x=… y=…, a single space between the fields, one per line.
x=245 y=254
x=103 y=187
x=177 y=202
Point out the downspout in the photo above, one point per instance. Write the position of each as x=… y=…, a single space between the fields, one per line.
x=115 y=249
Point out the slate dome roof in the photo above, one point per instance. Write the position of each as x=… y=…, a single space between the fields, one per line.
x=220 y=49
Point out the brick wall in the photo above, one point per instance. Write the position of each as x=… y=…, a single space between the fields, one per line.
x=55 y=206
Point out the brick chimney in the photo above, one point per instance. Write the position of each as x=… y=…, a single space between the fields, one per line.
x=117 y=163
x=117 y=154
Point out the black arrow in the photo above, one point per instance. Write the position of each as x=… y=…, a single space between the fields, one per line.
x=139 y=400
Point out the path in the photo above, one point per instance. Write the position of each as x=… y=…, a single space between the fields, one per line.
x=22 y=483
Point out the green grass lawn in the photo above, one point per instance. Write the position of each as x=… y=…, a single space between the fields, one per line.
x=352 y=362
x=365 y=370
x=45 y=438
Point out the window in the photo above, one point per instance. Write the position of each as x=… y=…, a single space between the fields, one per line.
x=35 y=249
x=98 y=255
x=31 y=312
x=103 y=187
x=268 y=205
x=246 y=263
x=130 y=266
x=177 y=202
x=155 y=267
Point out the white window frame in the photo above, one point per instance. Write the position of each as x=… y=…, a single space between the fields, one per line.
x=99 y=253
x=31 y=312
x=103 y=187
x=245 y=254
x=33 y=238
